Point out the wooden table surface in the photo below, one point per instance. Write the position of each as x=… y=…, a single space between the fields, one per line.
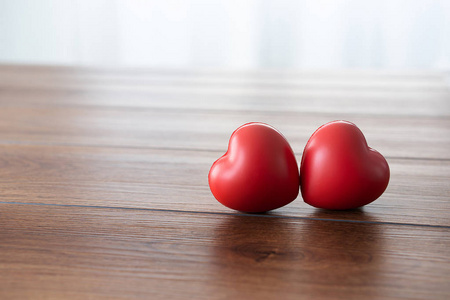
x=104 y=192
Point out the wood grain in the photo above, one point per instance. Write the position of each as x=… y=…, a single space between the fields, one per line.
x=67 y=252
x=177 y=180
x=341 y=92
x=104 y=193
x=394 y=136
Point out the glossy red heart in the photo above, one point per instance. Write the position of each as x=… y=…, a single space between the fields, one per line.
x=258 y=173
x=339 y=170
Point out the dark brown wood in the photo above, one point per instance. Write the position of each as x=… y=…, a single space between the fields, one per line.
x=104 y=193
x=418 y=192
x=67 y=252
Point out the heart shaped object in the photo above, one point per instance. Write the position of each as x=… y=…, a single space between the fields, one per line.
x=258 y=173
x=339 y=170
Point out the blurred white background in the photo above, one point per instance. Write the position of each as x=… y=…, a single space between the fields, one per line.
x=237 y=34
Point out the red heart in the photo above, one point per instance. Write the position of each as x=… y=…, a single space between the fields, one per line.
x=258 y=173
x=339 y=170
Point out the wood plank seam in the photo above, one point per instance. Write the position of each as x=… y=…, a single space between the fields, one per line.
x=218 y=151
x=266 y=215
